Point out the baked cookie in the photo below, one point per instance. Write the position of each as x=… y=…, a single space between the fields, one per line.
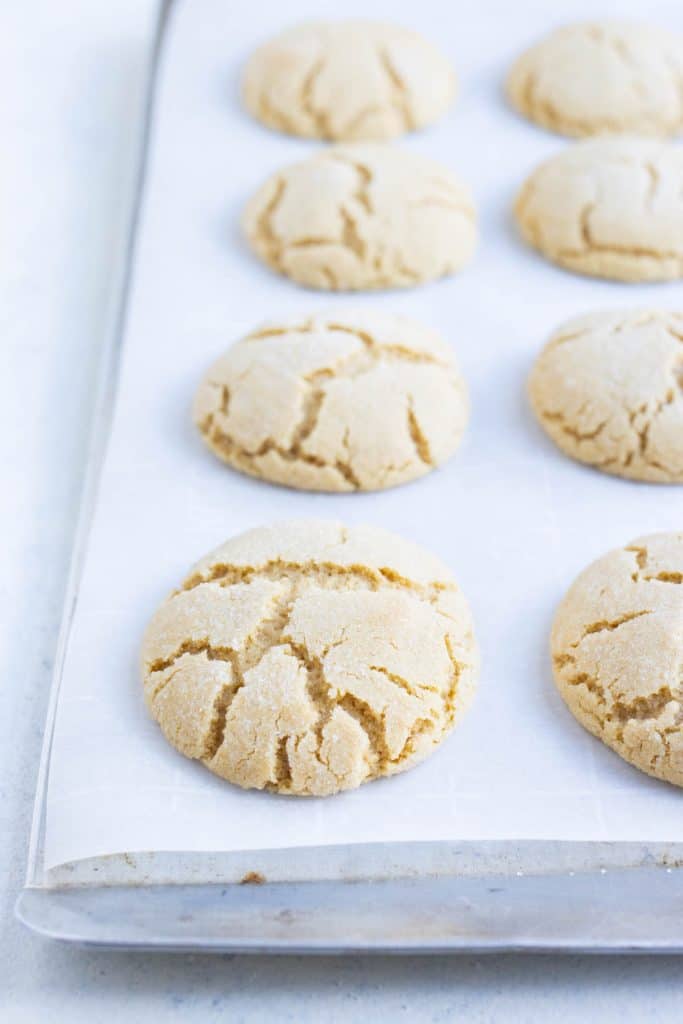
x=307 y=658
x=346 y=401
x=602 y=78
x=617 y=644
x=362 y=216
x=608 y=389
x=348 y=80
x=608 y=207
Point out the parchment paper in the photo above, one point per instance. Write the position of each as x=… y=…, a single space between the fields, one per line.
x=515 y=519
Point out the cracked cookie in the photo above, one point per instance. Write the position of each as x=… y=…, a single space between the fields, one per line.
x=348 y=80
x=307 y=658
x=362 y=216
x=617 y=648
x=609 y=208
x=343 y=401
x=602 y=78
x=608 y=389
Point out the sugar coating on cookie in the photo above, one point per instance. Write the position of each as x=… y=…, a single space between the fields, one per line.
x=601 y=78
x=343 y=401
x=609 y=208
x=307 y=658
x=362 y=216
x=608 y=389
x=617 y=646
x=348 y=80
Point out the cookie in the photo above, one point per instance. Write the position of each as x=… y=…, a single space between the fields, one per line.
x=602 y=78
x=617 y=645
x=308 y=657
x=362 y=216
x=345 y=401
x=608 y=389
x=610 y=208
x=348 y=80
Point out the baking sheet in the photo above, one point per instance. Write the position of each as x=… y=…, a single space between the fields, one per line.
x=514 y=519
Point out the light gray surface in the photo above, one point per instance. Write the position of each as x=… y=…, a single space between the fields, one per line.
x=71 y=73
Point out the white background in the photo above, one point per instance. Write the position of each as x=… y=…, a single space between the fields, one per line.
x=70 y=87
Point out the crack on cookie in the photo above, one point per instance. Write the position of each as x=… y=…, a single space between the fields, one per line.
x=213 y=653
x=373 y=725
x=585 y=214
x=643 y=708
x=216 y=732
x=591 y=683
x=663 y=576
x=458 y=668
x=317 y=116
x=399 y=91
x=620 y=712
x=641 y=557
x=666 y=577
x=264 y=225
x=654 y=183
x=609 y=625
x=318 y=690
x=414 y=690
x=161 y=684
x=283 y=768
x=225 y=446
x=364 y=180
x=351 y=237
x=310 y=412
x=345 y=467
x=578 y=435
x=265 y=635
x=418 y=437
x=326 y=575
x=370 y=720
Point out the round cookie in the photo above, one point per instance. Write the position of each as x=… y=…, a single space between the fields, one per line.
x=617 y=645
x=602 y=78
x=608 y=389
x=307 y=658
x=348 y=80
x=346 y=401
x=362 y=216
x=610 y=208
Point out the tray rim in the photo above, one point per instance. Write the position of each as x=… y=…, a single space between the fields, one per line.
x=405 y=916
x=36 y=899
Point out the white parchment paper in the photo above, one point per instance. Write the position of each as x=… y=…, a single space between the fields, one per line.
x=515 y=519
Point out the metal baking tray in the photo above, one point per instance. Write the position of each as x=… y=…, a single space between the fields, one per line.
x=393 y=898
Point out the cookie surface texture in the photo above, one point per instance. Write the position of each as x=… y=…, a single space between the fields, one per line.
x=348 y=80
x=608 y=389
x=608 y=208
x=602 y=78
x=345 y=401
x=617 y=645
x=360 y=217
x=307 y=658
